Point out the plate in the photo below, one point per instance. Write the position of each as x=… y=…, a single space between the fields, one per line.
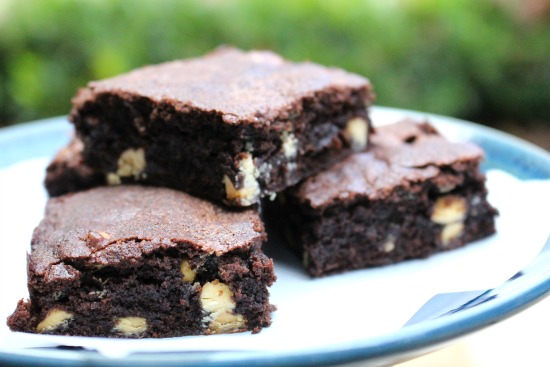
x=377 y=316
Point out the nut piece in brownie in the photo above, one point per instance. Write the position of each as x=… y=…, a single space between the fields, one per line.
x=135 y=262
x=231 y=126
x=411 y=195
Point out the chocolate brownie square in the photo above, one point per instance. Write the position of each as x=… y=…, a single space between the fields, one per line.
x=231 y=126
x=67 y=172
x=136 y=262
x=411 y=195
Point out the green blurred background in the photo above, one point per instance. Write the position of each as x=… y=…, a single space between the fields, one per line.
x=483 y=60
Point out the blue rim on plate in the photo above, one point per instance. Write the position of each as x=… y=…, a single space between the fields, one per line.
x=503 y=151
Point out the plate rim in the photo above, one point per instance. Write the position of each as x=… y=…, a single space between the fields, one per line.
x=411 y=339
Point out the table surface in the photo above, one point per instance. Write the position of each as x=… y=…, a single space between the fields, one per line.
x=521 y=340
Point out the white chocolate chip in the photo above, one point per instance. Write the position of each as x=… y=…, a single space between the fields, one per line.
x=449 y=209
x=450 y=232
x=446 y=188
x=130 y=326
x=249 y=193
x=389 y=245
x=357 y=131
x=216 y=296
x=230 y=191
x=265 y=171
x=217 y=301
x=289 y=144
x=131 y=163
x=113 y=179
x=227 y=323
x=248 y=169
x=55 y=319
x=187 y=272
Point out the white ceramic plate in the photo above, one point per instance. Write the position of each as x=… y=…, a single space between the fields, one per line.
x=378 y=316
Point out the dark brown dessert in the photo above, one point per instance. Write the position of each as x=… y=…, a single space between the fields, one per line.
x=67 y=172
x=411 y=195
x=231 y=126
x=133 y=261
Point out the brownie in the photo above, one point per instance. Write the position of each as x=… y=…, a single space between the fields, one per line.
x=231 y=126
x=136 y=262
x=67 y=172
x=411 y=195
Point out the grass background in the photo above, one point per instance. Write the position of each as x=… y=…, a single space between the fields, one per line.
x=483 y=60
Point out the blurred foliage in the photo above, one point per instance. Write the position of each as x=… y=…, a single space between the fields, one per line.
x=467 y=58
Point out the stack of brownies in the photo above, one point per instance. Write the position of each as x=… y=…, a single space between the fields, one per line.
x=153 y=228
